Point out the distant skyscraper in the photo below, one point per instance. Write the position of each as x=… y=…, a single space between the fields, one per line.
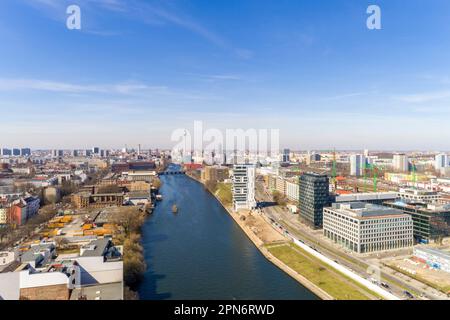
x=5 y=152
x=400 y=162
x=441 y=161
x=314 y=194
x=16 y=152
x=75 y=153
x=25 y=152
x=357 y=164
x=244 y=177
x=96 y=150
x=57 y=153
x=286 y=156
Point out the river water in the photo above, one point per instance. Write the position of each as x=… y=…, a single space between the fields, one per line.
x=201 y=253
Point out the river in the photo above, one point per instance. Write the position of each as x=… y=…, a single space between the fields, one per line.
x=201 y=253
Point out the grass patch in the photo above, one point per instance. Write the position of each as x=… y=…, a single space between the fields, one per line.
x=334 y=283
x=223 y=192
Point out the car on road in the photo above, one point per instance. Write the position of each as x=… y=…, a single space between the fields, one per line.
x=408 y=294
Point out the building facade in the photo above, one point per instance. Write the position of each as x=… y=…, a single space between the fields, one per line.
x=357 y=165
x=313 y=197
x=292 y=190
x=400 y=162
x=243 y=189
x=364 y=228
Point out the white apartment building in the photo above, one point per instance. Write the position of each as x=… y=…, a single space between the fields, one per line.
x=244 y=177
x=400 y=162
x=441 y=161
x=364 y=228
x=292 y=190
x=357 y=164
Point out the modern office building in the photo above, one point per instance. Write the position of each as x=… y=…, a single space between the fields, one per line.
x=285 y=157
x=5 y=152
x=418 y=196
x=313 y=197
x=441 y=161
x=357 y=165
x=95 y=150
x=400 y=162
x=16 y=152
x=25 y=152
x=369 y=197
x=364 y=228
x=57 y=153
x=431 y=222
x=243 y=189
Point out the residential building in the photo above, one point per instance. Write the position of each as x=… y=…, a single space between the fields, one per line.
x=357 y=164
x=441 y=161
x=400 y=162
x=292 y=189
x=215 y=173
x=364 y=228
x=3 y=214
x=313 y=197
x=280 y=185
x=243 y=189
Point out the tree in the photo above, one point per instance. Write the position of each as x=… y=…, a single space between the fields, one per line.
x=129 y=218
x=211 y=185
x=279 y=198
x=156 y=183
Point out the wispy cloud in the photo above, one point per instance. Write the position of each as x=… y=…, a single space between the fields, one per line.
x=65 y=87
x=147 y=12
x=346 y=96
x=424 y=97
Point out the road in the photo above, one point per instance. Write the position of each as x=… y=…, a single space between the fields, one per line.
x=289 y=222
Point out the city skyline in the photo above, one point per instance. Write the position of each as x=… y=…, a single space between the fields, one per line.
x=137 y=71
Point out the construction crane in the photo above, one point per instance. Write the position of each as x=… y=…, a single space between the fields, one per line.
x=333 y=171
x=374 y=170
x=414 y=174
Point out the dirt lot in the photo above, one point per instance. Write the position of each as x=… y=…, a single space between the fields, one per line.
x=438 y=278
x=261 y=228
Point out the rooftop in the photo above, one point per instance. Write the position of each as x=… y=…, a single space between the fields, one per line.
x=362 y=210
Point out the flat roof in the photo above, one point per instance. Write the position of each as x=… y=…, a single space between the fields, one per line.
x=108 y=291
x=362 y=210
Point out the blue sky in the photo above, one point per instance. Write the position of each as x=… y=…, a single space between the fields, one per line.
x=139 y=69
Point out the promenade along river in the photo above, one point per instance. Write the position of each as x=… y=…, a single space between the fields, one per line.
x=200 y=252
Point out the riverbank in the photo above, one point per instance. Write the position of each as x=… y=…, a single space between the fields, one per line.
x=262 y=234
